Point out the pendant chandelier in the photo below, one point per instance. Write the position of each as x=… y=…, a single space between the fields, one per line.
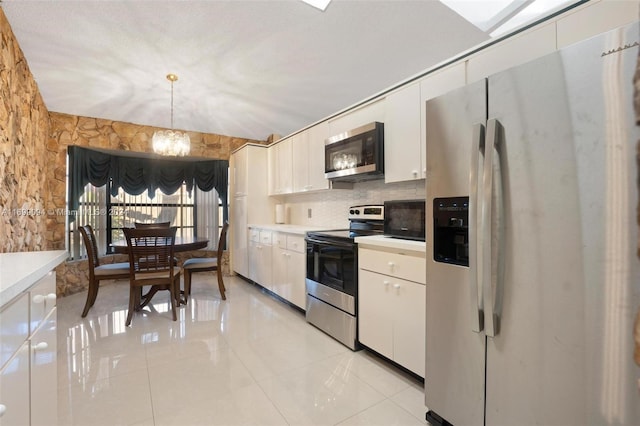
x=171 y=142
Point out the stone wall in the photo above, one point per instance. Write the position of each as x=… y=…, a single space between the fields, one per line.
x=66 y=130
x=24 y=128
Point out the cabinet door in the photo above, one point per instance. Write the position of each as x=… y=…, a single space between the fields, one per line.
x=409 y=325
x=434 y=85
x=240 y=160
x=280 y=167
x=44 y=373
x=296 y=274
x=360 y=116
x=43 y=299
x=239 y=256
x=279 y=272
x=254 y=261
x=315 y=141
x=14 y=388
x=375 y=327
x=402 y=159
x=300 y=163
x=265 y=267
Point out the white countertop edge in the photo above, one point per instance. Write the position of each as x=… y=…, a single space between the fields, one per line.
x=19 y=271
x=389 y=242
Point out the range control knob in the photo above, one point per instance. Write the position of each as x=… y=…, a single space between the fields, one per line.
x=351 y=211
x=357 y=211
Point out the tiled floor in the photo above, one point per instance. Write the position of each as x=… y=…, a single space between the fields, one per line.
x=248 y=360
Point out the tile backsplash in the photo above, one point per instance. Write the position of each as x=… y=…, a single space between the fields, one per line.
x=329 y=208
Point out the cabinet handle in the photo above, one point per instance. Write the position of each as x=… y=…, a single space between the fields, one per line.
x=386 y=283
x=414 y=173
x=41 y=346
x=392 y=265
x=38 y=299
x=51 y=297
x=3 y=409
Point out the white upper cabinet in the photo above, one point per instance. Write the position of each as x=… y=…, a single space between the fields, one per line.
x=514 y=51
x=433 y=85
x=373 y=111
x=402 y=158
x=280 y=167
x=240 y=175
x=308 y=159
x=595 y=18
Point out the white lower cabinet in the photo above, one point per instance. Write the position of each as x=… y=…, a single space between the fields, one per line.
x=260 y=257
x=28 y=368
x=44 y=373
x=289 y=268
x=391 y=310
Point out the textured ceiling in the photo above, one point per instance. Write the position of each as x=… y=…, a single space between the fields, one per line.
x=246 y=68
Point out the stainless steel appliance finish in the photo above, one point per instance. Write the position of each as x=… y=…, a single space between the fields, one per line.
x=405 y=219
x=356 y=155
x=332 y=274
x=537 y=329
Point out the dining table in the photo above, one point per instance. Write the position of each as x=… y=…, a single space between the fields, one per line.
x=181 y=244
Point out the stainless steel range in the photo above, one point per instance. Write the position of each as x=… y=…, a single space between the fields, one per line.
x=332 y=274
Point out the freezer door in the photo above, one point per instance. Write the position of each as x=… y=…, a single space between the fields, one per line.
x=454 y=371
x=562 y=351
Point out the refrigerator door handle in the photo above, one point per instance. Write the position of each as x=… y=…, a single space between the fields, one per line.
x=491 y=242
x=477 y=150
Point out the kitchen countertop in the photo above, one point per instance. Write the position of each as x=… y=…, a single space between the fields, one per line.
x=291 y=229
x=19 y=271
x=389 y=242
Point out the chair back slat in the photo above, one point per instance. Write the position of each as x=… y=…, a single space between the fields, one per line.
x=152 y=225
x=90 y=244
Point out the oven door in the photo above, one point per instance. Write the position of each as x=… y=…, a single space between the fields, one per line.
x=333 y=264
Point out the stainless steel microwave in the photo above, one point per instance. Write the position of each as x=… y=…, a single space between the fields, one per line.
x=355 y=155
x=405 y=219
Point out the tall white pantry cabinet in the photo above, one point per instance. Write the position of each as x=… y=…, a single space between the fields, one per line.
x=250 y=202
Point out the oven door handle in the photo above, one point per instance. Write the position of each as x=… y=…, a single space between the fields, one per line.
x=330 y=243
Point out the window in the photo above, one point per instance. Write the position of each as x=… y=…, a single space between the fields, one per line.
x=197 y=214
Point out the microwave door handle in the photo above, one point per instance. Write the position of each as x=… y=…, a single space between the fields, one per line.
x=477 y=152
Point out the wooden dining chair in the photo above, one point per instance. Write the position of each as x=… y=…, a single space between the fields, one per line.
x=98 y=272
x=150 y=264
x=140 y=225
x=205 y=264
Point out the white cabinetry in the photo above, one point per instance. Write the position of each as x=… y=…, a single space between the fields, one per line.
x=280 y=167
x=373 y=111
x=28 y=368
x=250 y=203
x=260 y=257
x=308 y=155
x=402 y=123
x=391 y=304
x=513 y=51
x=289 y=267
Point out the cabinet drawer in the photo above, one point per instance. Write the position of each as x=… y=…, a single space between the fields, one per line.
x=265 y=237
x=43 y=299
x=407 y=266
x=296 y=243
x=279 y=240
x=254 y=235
x=14 y=327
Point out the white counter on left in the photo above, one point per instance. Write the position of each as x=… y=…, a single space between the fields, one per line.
x=18 y=271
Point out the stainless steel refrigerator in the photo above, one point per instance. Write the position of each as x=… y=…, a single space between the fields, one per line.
x=532 y=274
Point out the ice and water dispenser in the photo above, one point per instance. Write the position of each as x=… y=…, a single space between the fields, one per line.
x=451 y=230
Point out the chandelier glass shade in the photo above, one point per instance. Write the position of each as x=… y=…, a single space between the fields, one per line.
x=171 y=142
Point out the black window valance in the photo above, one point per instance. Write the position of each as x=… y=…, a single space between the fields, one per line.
x=136 y=172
